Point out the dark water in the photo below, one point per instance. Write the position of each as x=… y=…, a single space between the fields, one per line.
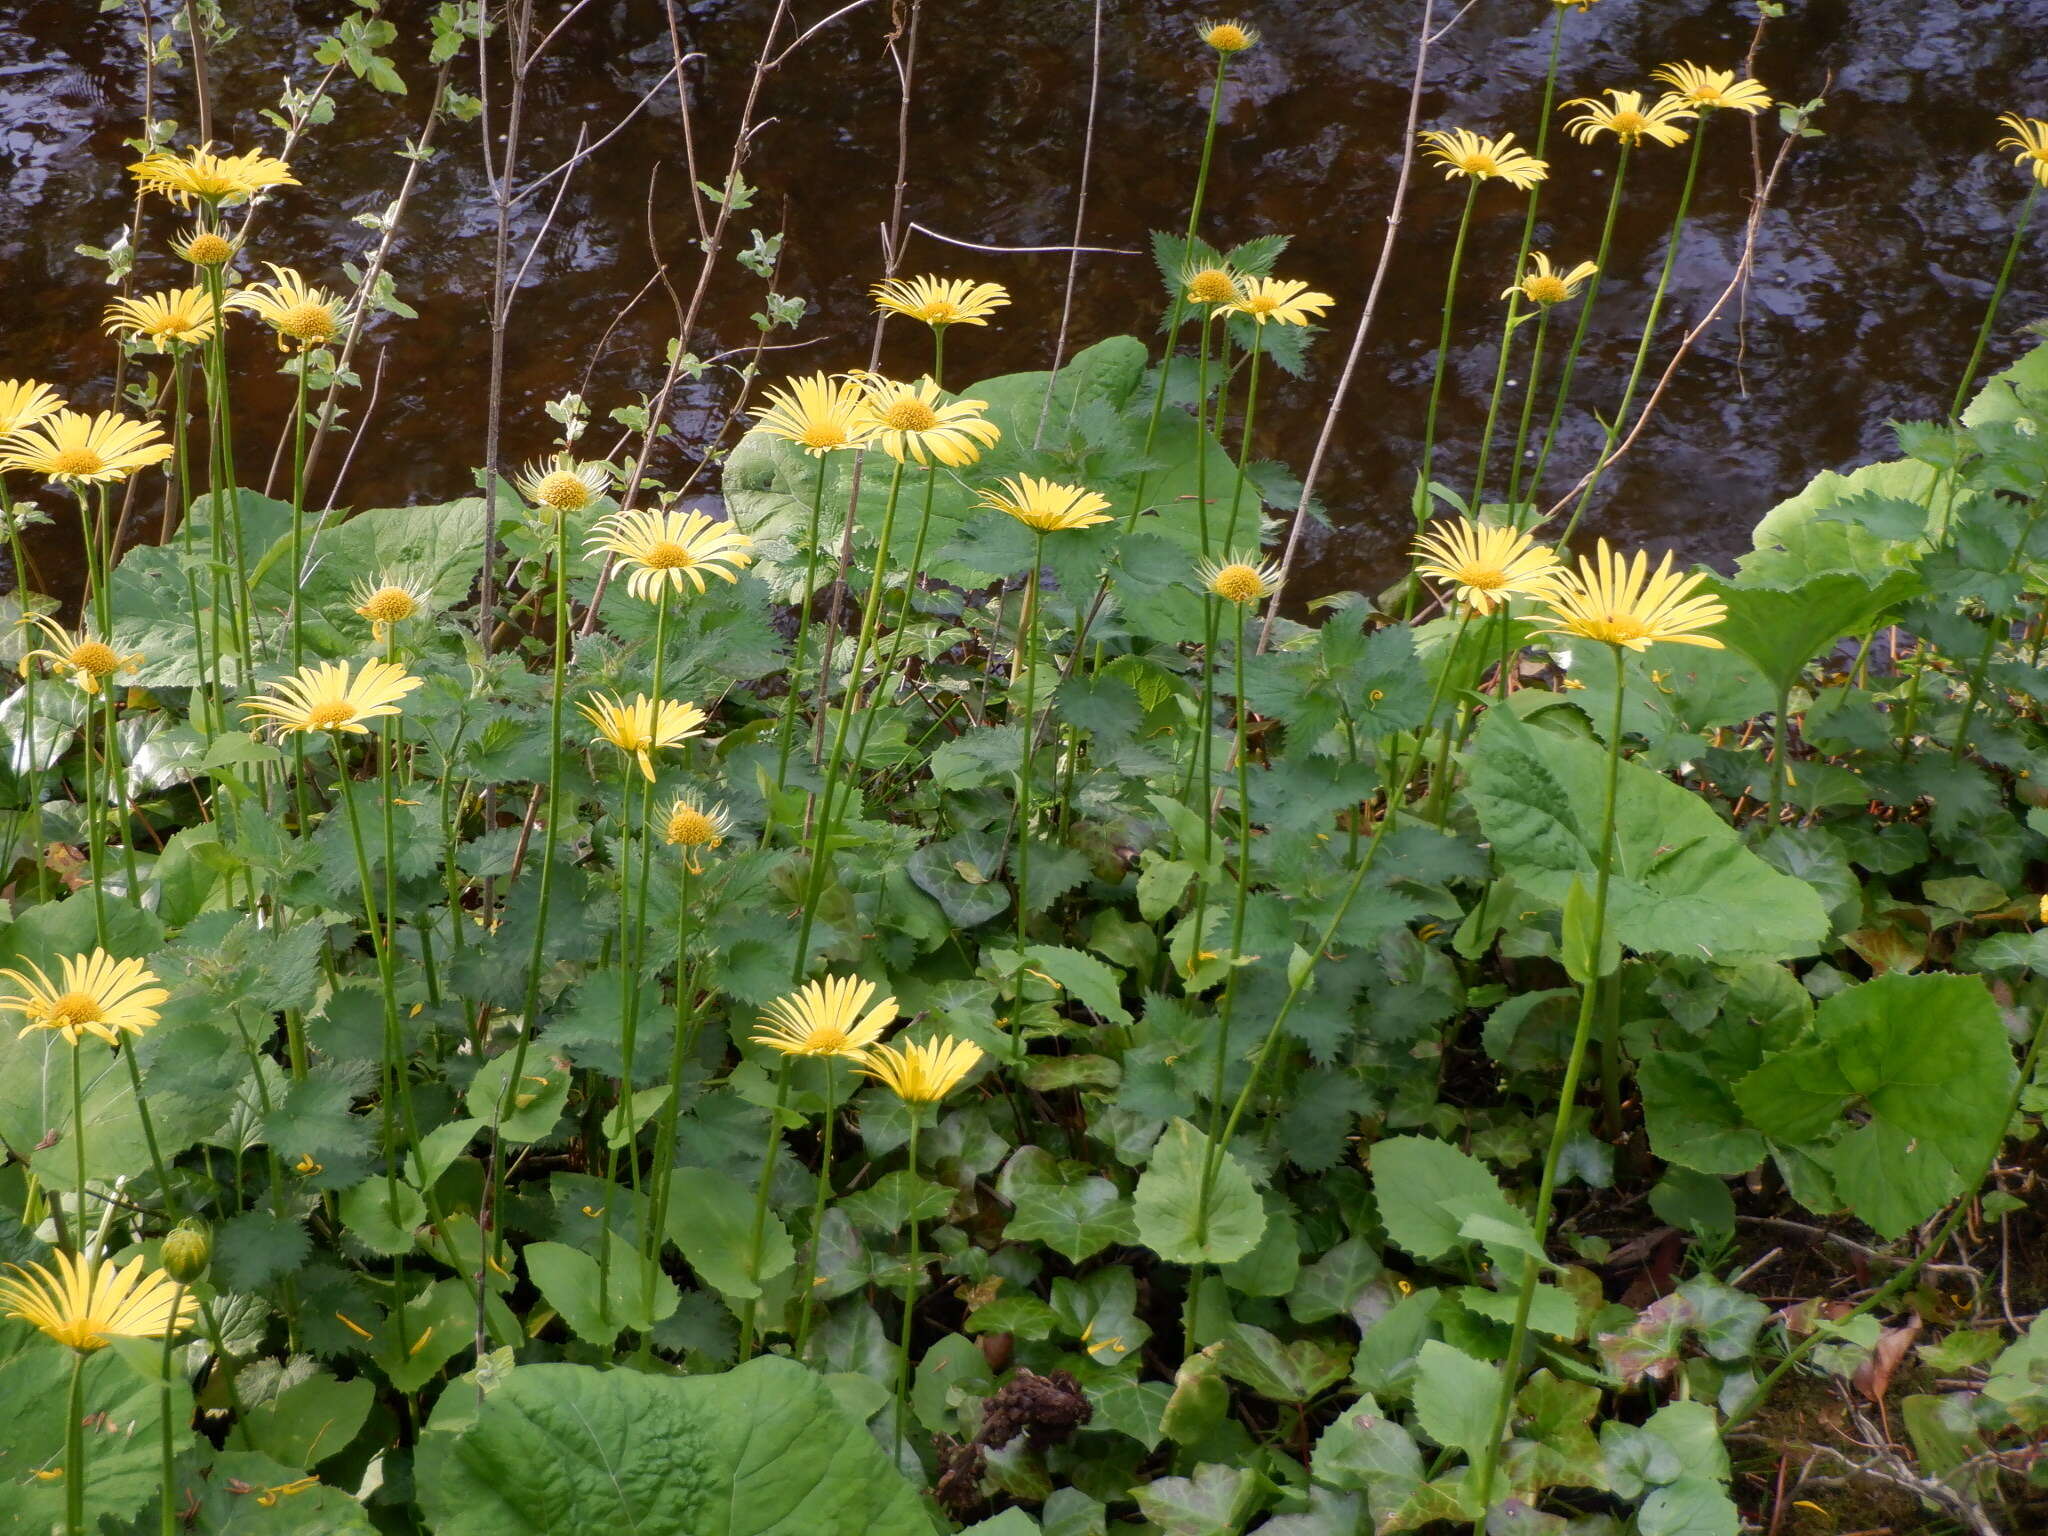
x=1872 y=274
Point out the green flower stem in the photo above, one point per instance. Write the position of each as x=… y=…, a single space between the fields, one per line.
x=786 y=731
x=761 y=1189
x=683 y=1041
x=167 y=1456
x=1244 y=442
x=1214 y=1158
x=2012 y=254
x=117 y=790
x=74 y=1449
x=886 y=673
x=32 y=768
x=808 y=1279
x=1443 y=354
x=1635 y=372
x=835 y=761
x=227 y=504
x=1578 y=341
x=912 y=1286
x=1226 y=1009
x=1027 y=664
x=550 y=836
x=1513 y=317
x=1560 y=1133
x=1909 y=1274
x=1528 y=411
x=181 y=410
x=1178 y=311
x=633 y=956
x=1202 y=425
x=78 y=1150
x=939 y=356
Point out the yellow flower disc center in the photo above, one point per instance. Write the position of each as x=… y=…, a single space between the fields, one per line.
x=1628 y=124
x=666 y=556
x=1484 y=577
x=691 y=828
x=1619 y=628
x=1238 y=584
x=563 y=491
x=77 y=461
x=824 y=434
x=1262 y=304
x=1212 y=286
x=75 y=1010
x=307 y=322
x=208 y=250
x=1545 y=290
x=938 y=312
x=94 y=656
x=325 y=717
x=1481 y=165
x=1227 y=38
x=389 y=605
x=910 y=416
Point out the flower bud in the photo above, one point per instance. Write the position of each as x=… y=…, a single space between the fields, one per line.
x=186 y=1251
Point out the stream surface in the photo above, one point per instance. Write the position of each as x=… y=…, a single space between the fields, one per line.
x=1876 y=257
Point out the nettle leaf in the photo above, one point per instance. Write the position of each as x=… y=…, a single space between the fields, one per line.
x=1683 y=882
x=1926 y=1062
x=1095 y=985
x=764 y=1450
x=257 y=1247
x=1168 y=1194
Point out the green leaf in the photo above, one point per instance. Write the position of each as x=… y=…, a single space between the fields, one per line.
x=1782 y=629
x=1216 y=1501
x=121 y=1447
x=1284 y=1372
x=310 y=1420
x=595 y=1306
x=1427 y=1188
x=764 y=1450
x=1683 y=882
x=1168 y=1193
x=1927 y=1059
x=1454 y=1397
x=1072 y=1211
x=711 y=1219
x=1083 y=977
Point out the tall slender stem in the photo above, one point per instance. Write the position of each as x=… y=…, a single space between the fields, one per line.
x=809 y=1278
x=760 y=1226
x=786 y=732
x=1027 y=663
x=1578 y=341
x=2012 y=255
x=912 y=1285
x=1443 y=353
x=1244 y=442
x=74 y=1449
x=1567 y=1095
x=1635 y=372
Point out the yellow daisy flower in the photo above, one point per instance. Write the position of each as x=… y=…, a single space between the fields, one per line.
x=1212 y=286
x=1621 y=602
x=1239 y=579
x=84 y=654
x=390 y=599
x=85 y=1304
x=2030 y=138
x=922 y=1072
x=1548 y=286
x=1583 y=5
x=1231 y=36
x=940 y=300
x=298 y=312
x=79 y=449
x=1703 y=89
x=24 y=402
x=206 y=247
x=1288 y=303
x=825 y=1018
x=1630 y=119
x=643 y=727
x=1486 y=565
x=179 y=316
x=916 y=422
x=1047 y=505
x=563 y=483
x=691 y=825
x=1461 y=152
x=96 y=995
x=671 y=548
x=818 y=413
x=323 y=697
x=215 y=179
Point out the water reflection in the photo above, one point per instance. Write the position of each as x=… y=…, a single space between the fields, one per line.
x=1872 y=272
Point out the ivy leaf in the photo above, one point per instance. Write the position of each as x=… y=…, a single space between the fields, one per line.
x=1168 y=1192
x=1072 y=1211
